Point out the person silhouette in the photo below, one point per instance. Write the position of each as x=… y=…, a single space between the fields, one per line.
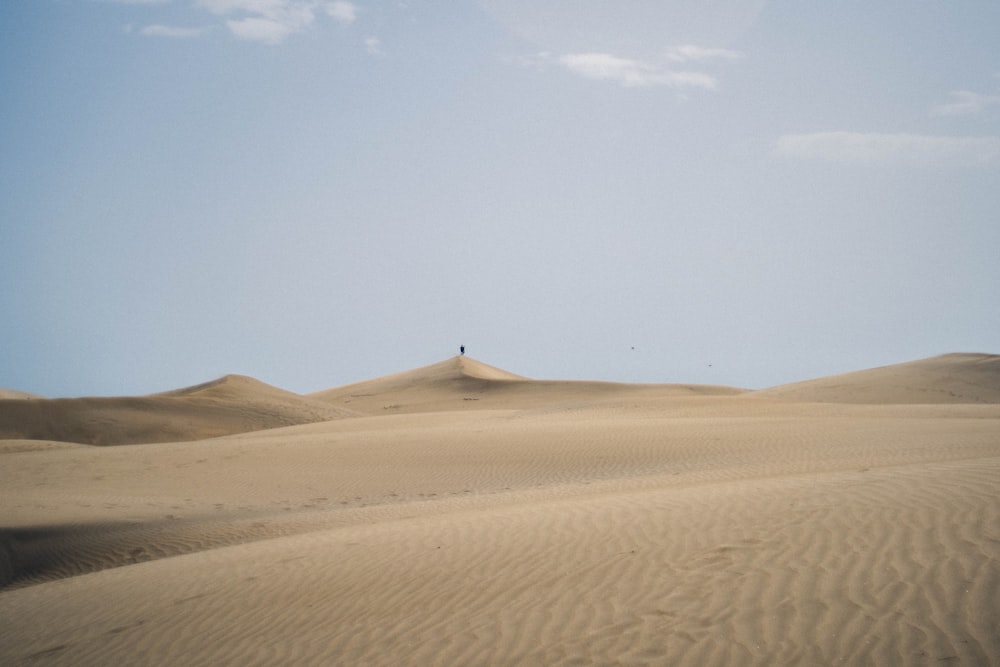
x=462 y=349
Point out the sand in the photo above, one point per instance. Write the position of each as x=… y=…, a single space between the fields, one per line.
x=459 y=514
x=231 y=404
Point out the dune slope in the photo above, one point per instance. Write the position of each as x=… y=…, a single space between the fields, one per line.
x=548 y=523
x=949 y=378
x=232 y=404
x=462 y=383
x=13 y=394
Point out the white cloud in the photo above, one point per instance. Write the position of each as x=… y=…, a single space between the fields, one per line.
x=344 y=12
x=635 y=72
x=174 y=32
x=901 y=149
x=964 y=103
x=257 y=29
x=373 y=45
x=271 y=21
x=688 y=52
x=632 y=73
x=253 y=6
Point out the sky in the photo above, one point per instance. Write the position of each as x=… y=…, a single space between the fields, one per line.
x=318 y=192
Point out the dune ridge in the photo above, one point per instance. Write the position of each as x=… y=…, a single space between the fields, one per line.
x=462 y=383
x=14 y=394
x=231 y=404
x=949 y=378
x=546 y=523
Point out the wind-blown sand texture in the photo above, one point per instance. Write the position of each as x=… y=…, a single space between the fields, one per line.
x=232 y=404
x=461 y=515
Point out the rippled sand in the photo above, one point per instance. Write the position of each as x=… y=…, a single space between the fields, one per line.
x=461 y=515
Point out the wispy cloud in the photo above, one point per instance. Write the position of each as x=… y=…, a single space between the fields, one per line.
x=373 y=45
x=895 y=149
x=172 y=32
x=272 y=21
x=262 y=29
x=636 y=72
x=691 y=52
x=344 y=12
x=631 y=73
x=965 y=103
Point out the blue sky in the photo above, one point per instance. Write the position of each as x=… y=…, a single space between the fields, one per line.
x=740 y=192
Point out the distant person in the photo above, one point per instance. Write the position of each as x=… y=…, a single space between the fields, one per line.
x=462 y=349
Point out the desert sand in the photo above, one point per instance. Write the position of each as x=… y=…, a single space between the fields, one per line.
x=459 y=514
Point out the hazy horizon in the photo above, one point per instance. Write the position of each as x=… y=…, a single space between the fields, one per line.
x=315 y=193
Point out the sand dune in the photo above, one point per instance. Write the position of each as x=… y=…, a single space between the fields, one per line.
x=950 y=378
x=547 y=523
x=462 y=383
x=13 y=394
x=232 y=404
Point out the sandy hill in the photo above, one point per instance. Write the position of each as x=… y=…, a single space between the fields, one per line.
x=235 y=387
x=567 y=523
x=949 y=378
x=231 y=404
x=12 y=394
x=462 y=383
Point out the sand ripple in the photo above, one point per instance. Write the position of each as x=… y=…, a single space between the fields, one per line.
x=596 y=525
x=892 y=566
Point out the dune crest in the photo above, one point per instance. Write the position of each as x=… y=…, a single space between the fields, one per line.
x=15 y=395
x=948 y=378
x=231 y=404
x=231 y=386
x=455 y=369
x=469 y=516
x=463 y=383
